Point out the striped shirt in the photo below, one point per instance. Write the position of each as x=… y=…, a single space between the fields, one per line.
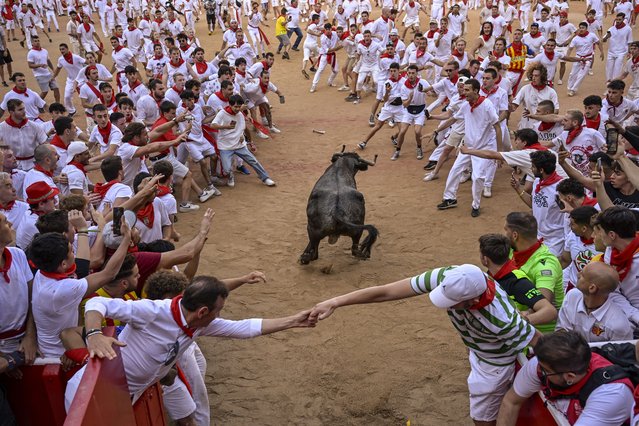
x=495 y=333
x=518 y=54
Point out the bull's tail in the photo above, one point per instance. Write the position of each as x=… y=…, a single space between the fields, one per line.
x=371 y=237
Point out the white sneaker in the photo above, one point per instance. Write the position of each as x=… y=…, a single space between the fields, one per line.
x=231 y=181
x=344 y=89
x=560 y=82
x=188 y=207
x=313 y=88
x=590 y=72
x=214 y=190
x=274 y=129
x=269 y=182
x=261 y=135
x=391 y=123
x=487 y=192
x=571 y=93
x=465 y=176
x=206 y=195
x=395 y=155
x=430 y=176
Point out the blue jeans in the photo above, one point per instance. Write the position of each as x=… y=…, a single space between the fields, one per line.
x=246 y=155
x=299 y=34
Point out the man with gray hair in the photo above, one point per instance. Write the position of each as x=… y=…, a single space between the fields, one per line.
x=46 y=161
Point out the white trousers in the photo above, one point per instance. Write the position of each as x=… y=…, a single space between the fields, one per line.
x=256 y=40
x=481 y=170
x=68 y=96
x=577 y=74
x=322 y=64
x=50 y=14
x=614 y=64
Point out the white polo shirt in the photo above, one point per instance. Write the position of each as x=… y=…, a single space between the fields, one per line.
x=14 y=295
x=161 y=219
x=23 y=141
x=619 y=40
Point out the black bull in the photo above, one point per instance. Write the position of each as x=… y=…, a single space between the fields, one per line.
x=336 y=208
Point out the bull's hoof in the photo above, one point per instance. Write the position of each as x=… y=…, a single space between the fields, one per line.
x=304 y=260
x=361 y=255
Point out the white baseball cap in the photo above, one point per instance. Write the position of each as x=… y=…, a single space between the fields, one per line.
x=394 y=31
x=461 y=283
x=74 y=149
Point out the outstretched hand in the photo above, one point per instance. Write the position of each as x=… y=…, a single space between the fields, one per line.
x=323 y=310
x=254 y=277
x=304 y=319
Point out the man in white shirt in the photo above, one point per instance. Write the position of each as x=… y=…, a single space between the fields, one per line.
x=620 y=36
x=293 y=25
x=77 y=180
x=72 y=64
x=584 y=46
x=631 y=68
x=328 y=47
x=41 y=66
x=532 y=94
x=41 y=199
x=12 y=209
x=122 y=57
x=21 y=134
x=580 y=141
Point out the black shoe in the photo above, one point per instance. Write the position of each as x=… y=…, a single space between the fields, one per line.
x=474 y=212
x=447 y=204
x=351 y=97
x=4 y=83
x=313 y=69
x=430 y=165
x=285 y=56
x=295 y=49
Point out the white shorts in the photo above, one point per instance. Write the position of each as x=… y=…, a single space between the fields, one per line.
x=409 y=22
x=487 y=385
x=90 y=46
x=179 y=169
x=10 y=25
x=391 y=112
x=199 y=148
x=310 y=51
x=454 y=139
x=177 y=400
x=275 y=3
x=562 y=50
x=416 y=119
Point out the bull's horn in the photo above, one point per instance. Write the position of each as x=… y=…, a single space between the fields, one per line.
x=343 y=148
x=369 y=162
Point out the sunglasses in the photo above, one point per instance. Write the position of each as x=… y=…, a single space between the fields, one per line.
x=544 y=374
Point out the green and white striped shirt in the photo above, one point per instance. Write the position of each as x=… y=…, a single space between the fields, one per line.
x=496 y=333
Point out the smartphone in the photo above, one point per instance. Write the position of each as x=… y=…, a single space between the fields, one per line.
x=599 y=165
x=118 y=212
x=612 y=140
x=560 y=203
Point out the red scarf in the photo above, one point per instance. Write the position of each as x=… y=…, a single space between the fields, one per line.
x=477 y=103
x=163 y=190
x=419 y=53
x=550 y=55
x=178 y=91
x=496 y=55
x=147 y=215
x=158 y=21
x=536 y=35
x=263 y=87
x=79 y=166
x=156 y=57
x=9 y=205
x=46 y=172
x=95 y=91
x=184 y=49
x=240 y=72
x=491 y=91
x=543 y=126
x=505 y=270
x=537 y=147
x=87 y=27
x=37 y=48
x=457 y=54
x=590 y=20
x=622 y=260
x=68 y=57
x=521 y=257
x=594 y=124
x=58 y=142
x=179 y=63
x=201 y=67
x=635 y=60
x=587 y=241
x=177 y=316
x=221 y=96
x=486 y=37
x=573 y=134
x=7 y=265
x=617 y=26
x=69 y=273
x=265 y=66
x=19 y=125
x=118 y=48
x=583 y=35
x=21 y=92
x=229 y=110
x=431 y=33
x=589 y=201
x=363 y=43
x=487 y=297
x=102 y=188
x=411 y=4
x=410 y=85
x=131 y=28
x=134 y=85
x=539 y=87
x=550 y=180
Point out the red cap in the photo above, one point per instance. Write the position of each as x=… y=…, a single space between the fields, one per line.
x=40 y=191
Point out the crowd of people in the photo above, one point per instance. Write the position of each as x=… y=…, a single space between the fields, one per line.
x=170 y=118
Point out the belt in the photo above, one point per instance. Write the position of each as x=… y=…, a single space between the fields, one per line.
x=158 y=158
x=24 y=158
x=13 y=333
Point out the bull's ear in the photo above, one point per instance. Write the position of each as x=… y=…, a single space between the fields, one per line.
x=335 y=157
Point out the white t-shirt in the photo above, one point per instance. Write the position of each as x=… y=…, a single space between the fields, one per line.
x=17 y=213
x=55 y=306
x=619 y=40
x=581 y=254
x=132 y=165
x=39 y=57
x=118 y=190
x=77 y=180
x=582 y=147
x=479 y=130
x=73 y=68
x=32 y=102
x=26 y=230
x=550 y=219
x=114 y=138
x=161 y=219
x=584 y=46
x=14 y=295
x=230 y=139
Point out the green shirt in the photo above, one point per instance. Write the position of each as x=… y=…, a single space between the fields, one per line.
x=544 y=270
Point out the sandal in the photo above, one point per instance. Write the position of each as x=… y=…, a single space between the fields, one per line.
x=305 y=74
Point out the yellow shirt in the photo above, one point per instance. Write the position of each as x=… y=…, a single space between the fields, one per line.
x=280 y=26
x=106 y=322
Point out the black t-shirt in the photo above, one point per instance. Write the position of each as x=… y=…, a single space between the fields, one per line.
x=631 y=201
x=521 y=289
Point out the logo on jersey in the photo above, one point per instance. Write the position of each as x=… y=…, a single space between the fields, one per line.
x=582 y=259
x=597 y=329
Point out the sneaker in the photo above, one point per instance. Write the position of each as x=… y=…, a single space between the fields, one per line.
x=395 y=155
x=465 y=176
x=391 y=123
x=430 y=165
x=371 y=120
x=357 y=99
x=268 y=182
x=188 y=207
x=447 y=204
x=560 y=82
x=312 y=69
x=420 y=153
x=343 y=88
x=230 y=181
x=351 y=97
x=305 y=74
x=242 y=169
x=487 y=193
x=205 y=195
x=590 y=72
x=216 y=181
x=261 y=135
x=394 y=140
x=474 y=212
x=274 y=129
x=362 y=145
x=213 y=189
x=313 y=88
x=430 y=176
x=331 y=84
x=571 y=93
x=285 y=56
x=295 y=49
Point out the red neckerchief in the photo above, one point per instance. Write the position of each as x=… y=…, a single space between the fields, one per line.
x=95 y=91
x=589 y=201
x=550 y=180
x=68 y=57
x=617 y=26
x=543 y=126
x=147 y=215
x=7 y=265
x=364 y=23
x=102 y=188
x=419 y=53
x=118 y=48
x=21 y=92
x=491 y=91
x=457 y=54
x=134 y=85
x=385 y=19
x=184 y=49
x=385 y=55
x=635 y=60
x=363 y=43
x=410 y=85
x=163 y=190
x=229 y=110
x=221 y=96
x=179 y=92
x=158 y=21
x=263 y=87
x=539 y=87
x=46 y=172
x=69 y=273
x=536 y=35
x=504 y=270
x=431 y=33
x=583 y=35
x=9 y=205
x=477 y=103
x=521 y=257
x=110 y=104
x=177 y=317
x=550 y=55
x=454 y=77
x=239 y=43
x=587 y=241
x=573 y=134
x=131 y=28
x=594 y=124
x=240 y=72
x=201 y=67
x=87 y=27
x=498 y=56
x=394 y=80
x=265 y=66
x=537 y=146
x=622 y=260
x=19 y=125
x=156 y=57
x=79 y=166
x=590 y=20
x=345 y=35
x=486 y=37
x=179 y=63
x=58 y=142
x=487 y=297
x=443 y=32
